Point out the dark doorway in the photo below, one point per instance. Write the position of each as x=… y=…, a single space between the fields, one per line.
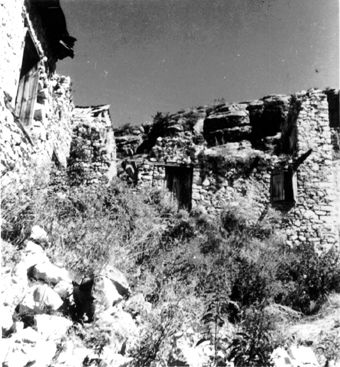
x=179 y=182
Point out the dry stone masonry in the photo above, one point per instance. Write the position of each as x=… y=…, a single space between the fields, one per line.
x=280 y=151
x=35 y=103
x=38 y=119
x=93 y=151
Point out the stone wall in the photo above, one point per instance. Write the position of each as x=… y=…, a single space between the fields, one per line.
x=314 y=217
x=49 y=130
x=93 y=151
x=234 y=150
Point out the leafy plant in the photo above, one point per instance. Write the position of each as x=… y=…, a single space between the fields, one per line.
x=310 y=277
x=216 y=313
x=253 y=346
x=158 y=331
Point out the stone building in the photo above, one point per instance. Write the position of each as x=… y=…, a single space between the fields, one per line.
x=35 y=103
x=279 y=151
x=93 y=150
x=36 y=106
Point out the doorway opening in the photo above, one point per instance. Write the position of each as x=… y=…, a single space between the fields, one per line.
x=179 y=183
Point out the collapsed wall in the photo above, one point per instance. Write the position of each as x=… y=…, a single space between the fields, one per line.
x=279 y=151
x=93 y=152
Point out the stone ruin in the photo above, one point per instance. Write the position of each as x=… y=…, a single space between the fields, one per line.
x=39 y=124
x=93 y=151
x=279 y=151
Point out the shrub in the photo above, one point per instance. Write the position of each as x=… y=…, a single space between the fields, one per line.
x=309 y=277
x=156 y=335
x=253 y=346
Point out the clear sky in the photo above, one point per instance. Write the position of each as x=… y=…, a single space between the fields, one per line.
x=144 y=56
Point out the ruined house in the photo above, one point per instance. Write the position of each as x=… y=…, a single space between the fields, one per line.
x=93 y=151
x=279 y=151
x=38 y=120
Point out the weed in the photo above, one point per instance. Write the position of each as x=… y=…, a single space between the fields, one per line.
x=253 y=345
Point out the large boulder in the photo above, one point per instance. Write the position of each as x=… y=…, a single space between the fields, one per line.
x=136 y=305
x=225 y=120
x=118 y=279
x=50 y=273
x=64 y=289
x=99 y=292
x=32 y=248
x=114 y=359
x=12 y=289
x=6 y=320
x=120 y=328
x=104 y=294
x=52 y=327
x=31 y=255
x=27 y=348
x=73 y=354
x=38 y=235
x=38 y=299
x=296 y=356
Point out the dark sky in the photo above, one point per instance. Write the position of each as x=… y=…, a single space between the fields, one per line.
x=144 y=56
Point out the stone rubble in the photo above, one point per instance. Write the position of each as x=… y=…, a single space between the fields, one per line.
x=33 y=319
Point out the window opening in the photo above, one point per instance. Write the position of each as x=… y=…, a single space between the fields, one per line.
x=283 y=187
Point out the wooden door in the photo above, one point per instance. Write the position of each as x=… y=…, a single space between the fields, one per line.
x=27 y=95
x=179 y=182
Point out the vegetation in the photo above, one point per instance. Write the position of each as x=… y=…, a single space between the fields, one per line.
x=189 y=266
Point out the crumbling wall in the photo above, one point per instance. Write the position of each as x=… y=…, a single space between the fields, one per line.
x=49 y=131
x=93 y=151
x=314 y=216
x=12 y=34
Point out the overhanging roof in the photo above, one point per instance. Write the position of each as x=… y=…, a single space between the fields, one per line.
x=53 y=20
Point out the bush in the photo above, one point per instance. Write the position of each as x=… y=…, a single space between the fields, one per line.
x=253 y=346
x=309 y=277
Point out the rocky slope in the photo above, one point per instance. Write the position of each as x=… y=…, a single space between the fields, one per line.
x=48 y=319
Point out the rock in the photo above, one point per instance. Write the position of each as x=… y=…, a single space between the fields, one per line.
x=38 y=235
x=297 y=356
x=282 y=313
x=12 y=289
x=119 y=325
x=193 y=356
x=118 y=279
x=29 y=258
x=52 y=327
x=39 y=299
x=46 y=296
x=281 y=358
x=136 y=305
x=6 y=320
x=303 y=356
x=27 y=348
x=32 y=248
x=64 y=289
x=50 y=273
x=72 y=355
x=104 y=293
x=114 y=359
